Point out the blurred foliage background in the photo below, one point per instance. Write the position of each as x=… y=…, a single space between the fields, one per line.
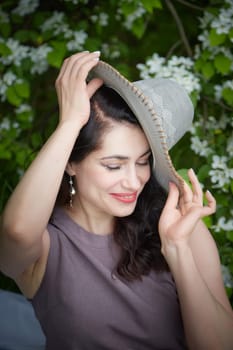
x=189 y=41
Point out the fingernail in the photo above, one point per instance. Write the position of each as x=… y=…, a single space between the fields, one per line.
x=96 y=52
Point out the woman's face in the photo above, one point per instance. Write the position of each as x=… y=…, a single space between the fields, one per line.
x=110 y=179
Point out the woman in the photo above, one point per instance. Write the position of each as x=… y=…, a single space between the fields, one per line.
x=109 y=260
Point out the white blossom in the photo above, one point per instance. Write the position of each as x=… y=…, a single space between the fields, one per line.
x=219 y=162
x=219 y=178
x=200 y=147
x=78 y=41
x=193 y=127
x=204 y=39
x=230 y=146
x=223 y=23
x=56 y=23
x=26 y=7
x=20 y=172
x=109 y=52
x=223 y=224
x=218 y=92
x=15 y=125
x=177 y=68
x=23 y=108
x=39 y=58
x=18 y=53
x=152 y=67
x=130 y=19
x=214 y=124
x=3 y=89
x=115 y=54
x=219 y=88
x=206 y=19
x=103 y=19
x=220 y=174
x=7 y=80
x=5 y=124
x=227 y=277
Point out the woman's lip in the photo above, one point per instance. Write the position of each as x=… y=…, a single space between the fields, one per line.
x=125 y=197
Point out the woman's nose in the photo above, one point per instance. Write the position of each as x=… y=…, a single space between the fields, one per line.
x=131 y=180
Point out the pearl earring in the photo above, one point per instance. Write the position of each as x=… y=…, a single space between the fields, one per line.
x=71 y=191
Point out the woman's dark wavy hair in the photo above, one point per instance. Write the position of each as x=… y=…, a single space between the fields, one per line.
x=137 y=234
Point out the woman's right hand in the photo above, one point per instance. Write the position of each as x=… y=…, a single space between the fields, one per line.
x=72 y=89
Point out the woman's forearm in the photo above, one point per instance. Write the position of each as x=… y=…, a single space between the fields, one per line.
x=208 y=325
x=29 y=207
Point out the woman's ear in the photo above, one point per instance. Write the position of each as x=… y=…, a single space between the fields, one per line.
x=70 y=169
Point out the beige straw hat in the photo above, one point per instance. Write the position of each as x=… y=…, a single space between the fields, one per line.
x=164 y=111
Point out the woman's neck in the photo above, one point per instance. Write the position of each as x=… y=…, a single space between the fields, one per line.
x=92 y=222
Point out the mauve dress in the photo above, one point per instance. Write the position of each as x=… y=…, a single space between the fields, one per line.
x=82 y=305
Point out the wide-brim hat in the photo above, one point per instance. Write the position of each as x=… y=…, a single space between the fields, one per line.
x=163 y=109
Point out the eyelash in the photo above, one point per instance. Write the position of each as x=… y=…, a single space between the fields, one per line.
x=117 y=167
x=111 y=168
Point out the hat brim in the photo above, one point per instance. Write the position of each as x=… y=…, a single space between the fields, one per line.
x=149 y=120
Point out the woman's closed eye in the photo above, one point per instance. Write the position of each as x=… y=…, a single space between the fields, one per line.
x=117 y=166
x=112 y=166
x=143 y=161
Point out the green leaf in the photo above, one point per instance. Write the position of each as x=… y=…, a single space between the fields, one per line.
x=208 y=70
x=229 y=235
x=198 y=64
x=22 y=35
x=56 y=57
x=203 y=172
x=194 y=97
x=22 y=89
x=208 y=221
x=205 y=55
x=4 y=153
x=5 y=29
x=184 y=174
x=25 y=35
x=215 y=38
x=229 y=291
x=231 y=33
x=227 y=95
x=231 y=187
x=128 y=8
x=92 y=44
x=150 y=5
x=222 y=64
x=12 y=96
x=4 y=49
x=20 y=157
x=138 y=27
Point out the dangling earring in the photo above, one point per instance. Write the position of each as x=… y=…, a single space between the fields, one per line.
x=71 y=191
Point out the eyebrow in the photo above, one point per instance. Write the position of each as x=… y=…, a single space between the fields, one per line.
x=117 y=156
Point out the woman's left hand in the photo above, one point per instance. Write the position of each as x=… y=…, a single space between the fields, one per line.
x=181 y=214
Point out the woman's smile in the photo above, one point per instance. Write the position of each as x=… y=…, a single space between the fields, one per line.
x=125 y=197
